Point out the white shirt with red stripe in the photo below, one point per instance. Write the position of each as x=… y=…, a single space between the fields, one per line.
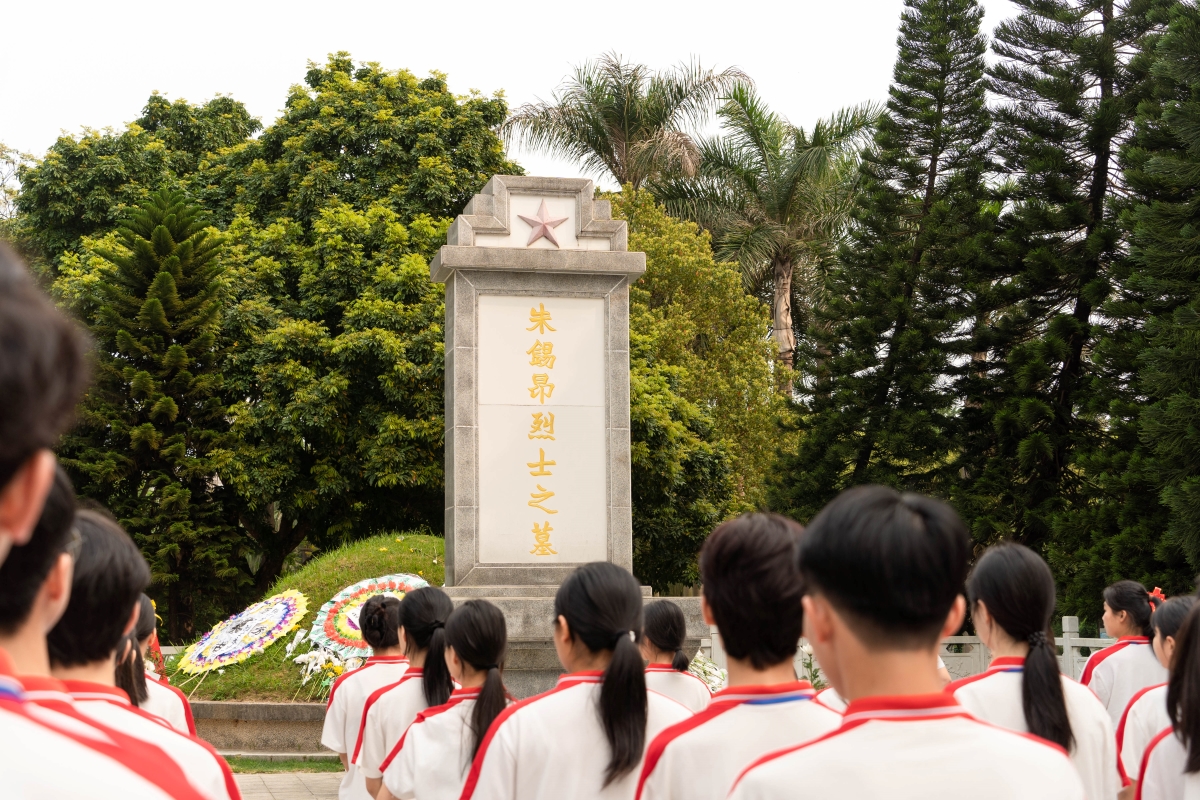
x=829 y=698
x=386 y=715
x=1162 y=775
x=552 y=746
x=164 y=700
x=1144 y=717
x=912 y=748
x=701 y=757
x=205 y=769
x=344 y=711
x=995 y=696
x=682 y=687
x=1120 y=671
x=433 y=756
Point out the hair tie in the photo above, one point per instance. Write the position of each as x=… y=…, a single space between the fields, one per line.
x=437 y=624
x=1158 y=593
x=491 y=667
x=620 y=634
x=1037 y=638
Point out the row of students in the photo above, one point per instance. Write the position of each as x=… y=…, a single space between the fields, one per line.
x=1170 y=767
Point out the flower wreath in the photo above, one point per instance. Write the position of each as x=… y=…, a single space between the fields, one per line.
x=335 y=627
x=247 y=633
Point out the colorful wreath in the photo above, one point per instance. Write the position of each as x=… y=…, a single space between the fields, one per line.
x=335 y=627
x=245 y=634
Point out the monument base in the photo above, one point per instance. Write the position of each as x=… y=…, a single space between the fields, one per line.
x=531 y=665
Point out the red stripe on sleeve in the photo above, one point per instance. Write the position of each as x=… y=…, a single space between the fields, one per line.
x=1095 y=658
x=1146 y=759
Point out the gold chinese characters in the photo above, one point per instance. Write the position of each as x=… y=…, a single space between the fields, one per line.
x=541 y=354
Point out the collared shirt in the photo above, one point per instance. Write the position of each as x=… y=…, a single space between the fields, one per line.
x=1162 y=775
x=995 y=696
x=343 y=714
x=205 y=769
x=386 y=716
x=1120 y=671
x=1144 y=717
x=165 y=701
x=682 y=687
x=910 y=748
x=829 y=698
x=552 y=746
x=433 y=756
x=701 y=757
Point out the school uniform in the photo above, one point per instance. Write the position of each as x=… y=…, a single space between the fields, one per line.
x=552 y=746
x=1144 y=717
x=386 y=715
x=1119 y=671
x=995 y=696
x=37 y=742
x=165 y=701
x=829 y=698
x=431 y=760
x=343 y=714
x=1162 y=775
x=205 y=769
x=682 y=687
x=701 y=757
x=910 y=748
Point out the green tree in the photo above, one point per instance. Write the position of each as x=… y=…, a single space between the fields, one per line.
x=776 y=197
x=623 y=119
x=148 y=429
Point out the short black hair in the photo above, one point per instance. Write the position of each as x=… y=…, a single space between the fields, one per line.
x=751 y=584
x=891 y=563
x=110 y=575
x=24 y=571
x=43 y=367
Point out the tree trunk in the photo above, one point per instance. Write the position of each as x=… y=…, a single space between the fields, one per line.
x=785 y=338
x=276 y=546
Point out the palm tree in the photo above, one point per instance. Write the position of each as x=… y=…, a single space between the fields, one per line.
x=623 y=118
x=775 y=197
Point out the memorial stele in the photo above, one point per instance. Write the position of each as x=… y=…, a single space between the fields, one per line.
x=537 y=277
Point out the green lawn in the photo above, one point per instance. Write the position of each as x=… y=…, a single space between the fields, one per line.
x=261 y=765
x=271 y=675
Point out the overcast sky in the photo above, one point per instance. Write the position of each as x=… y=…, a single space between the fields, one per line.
x=67 y=65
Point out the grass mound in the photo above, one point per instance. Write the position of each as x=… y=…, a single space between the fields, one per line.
x=271 y=675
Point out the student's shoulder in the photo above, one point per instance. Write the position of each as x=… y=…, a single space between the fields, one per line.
x=1107 y=657
x=666 y=707
x=1082 y=700
x=971 y=683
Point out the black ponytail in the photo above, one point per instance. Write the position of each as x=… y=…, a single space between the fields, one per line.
x=1017 y=588
x=129 y=673
x=1183 y=688
x=146 y=623
x=379 y=621
x=666 y=630
x=423 y=616
x=477 y=632
x=1132 y=598
x=1170 y=615
x=602 y=604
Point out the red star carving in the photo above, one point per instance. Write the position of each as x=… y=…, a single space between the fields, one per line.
x=542 y=225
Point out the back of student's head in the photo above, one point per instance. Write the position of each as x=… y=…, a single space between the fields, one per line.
x=750 y=582
x=891 y=563
x=1017 y=589
x=110 y=575
x=146 y=623
x=423 y=615
x=1183 y=688
x=479 y=635
x=26 y=568
x=379 y=621
x=602 y=605
x=1132 y=598
x=666 y=629
x=1170 y=615
x=43 y=367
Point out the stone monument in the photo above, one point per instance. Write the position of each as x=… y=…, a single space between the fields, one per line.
x=537 y=277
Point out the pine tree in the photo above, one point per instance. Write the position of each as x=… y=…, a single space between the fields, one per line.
x=149 y=425
x=882 y=346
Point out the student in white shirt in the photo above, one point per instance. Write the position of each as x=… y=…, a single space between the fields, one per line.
x=379 y=621
x=162 y=699
x=882 y=573
x=1171 y=766
x=833 y=701
x=1011 y=593
x=1120 y=671
x=391 y=709
x=431 y=760
x=1146 y=713
x=586 y=737
x=667 y=669
x=763 y=707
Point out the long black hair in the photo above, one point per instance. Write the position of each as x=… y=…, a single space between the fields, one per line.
x=146 y=622
x=379 y=621
x=1170 y=615
x=1132 y=598
x=1183 y=687
x=666 y=630
x=1017 y=587
x=129 y=672
x=423 y=615
x=477 y=632
x=602 y=605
